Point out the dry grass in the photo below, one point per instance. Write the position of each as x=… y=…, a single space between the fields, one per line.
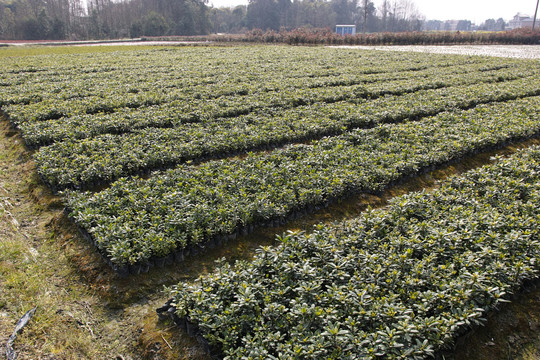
x=34 y=271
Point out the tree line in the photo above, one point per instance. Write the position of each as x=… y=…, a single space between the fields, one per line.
x=391 y=16
x=99 y=19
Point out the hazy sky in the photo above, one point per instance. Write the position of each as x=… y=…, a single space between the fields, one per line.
x=475 y=10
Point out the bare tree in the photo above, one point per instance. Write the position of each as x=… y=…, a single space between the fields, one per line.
x=400 y=15
x=384 y=9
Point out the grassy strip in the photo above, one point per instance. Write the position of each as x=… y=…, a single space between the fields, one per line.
x=10 y=53
x=69 y=321
x=400 y=282
x=136 y=220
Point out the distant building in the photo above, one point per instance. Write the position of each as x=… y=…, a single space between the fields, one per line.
x=520 y=21
x=346 y=29
x=433 y=25
x=494 y=25
x=448 y=25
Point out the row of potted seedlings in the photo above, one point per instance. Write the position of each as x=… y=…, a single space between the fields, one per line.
x=399 y=282
x=139 y=219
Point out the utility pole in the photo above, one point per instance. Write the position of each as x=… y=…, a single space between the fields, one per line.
x=535 y=13
x=365 y=16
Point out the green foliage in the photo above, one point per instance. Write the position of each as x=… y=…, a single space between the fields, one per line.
x=264 y=14
x=31 y=29
x=400 y=282
x=277 y=15
x=154 y=24
x=136 y=29
x=30 y=21
x=7 y=27
x=58 y=29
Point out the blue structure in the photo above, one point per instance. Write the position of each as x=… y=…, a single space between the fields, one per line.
x=346 y=29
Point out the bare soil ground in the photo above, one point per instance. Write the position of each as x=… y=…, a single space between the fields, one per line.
x=513 y=51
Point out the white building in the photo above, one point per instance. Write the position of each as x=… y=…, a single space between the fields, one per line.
x=520 y=21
